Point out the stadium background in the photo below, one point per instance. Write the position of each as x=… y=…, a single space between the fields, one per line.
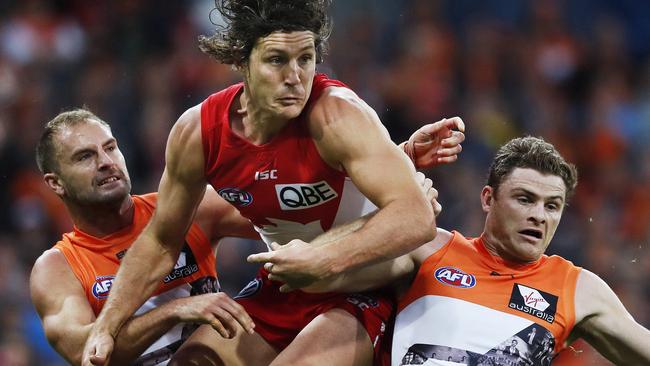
x=575 y=72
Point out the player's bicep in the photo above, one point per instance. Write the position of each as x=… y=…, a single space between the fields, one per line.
x=61 y=304
x=603 y=321
x=349 y=133
x=183 y=182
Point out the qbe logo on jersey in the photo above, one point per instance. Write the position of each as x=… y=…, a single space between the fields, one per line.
x=300 y=196
x=531 y=301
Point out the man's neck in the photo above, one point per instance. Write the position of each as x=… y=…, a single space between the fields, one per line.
x=102 y=220
x=252 y=123
x=496 y=248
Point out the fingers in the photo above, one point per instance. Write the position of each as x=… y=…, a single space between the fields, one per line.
x=453 y=123
x=286 y=288
x=428 y=185
x=454 y=139
x=432 y=194
x=450 y=151
x=225 y=316
x=437 y=208
x=420 y=178
x=260 y=257
x=218 y=326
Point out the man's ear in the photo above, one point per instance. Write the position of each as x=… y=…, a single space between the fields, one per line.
x=54 y=182
x=487 y=197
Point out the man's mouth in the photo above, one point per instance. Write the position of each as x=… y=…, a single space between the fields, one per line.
x=108 y=180
x=289 y=100
x=537 y=234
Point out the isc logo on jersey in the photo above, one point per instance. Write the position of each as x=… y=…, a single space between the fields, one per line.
x=102 y=286
x=236 y=196
x=455 y=277
x=299 y=196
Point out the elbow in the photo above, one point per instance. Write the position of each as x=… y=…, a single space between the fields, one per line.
x=424 y=224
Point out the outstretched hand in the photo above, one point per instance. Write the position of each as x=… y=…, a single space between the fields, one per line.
x=436 y=143
x=297 y=264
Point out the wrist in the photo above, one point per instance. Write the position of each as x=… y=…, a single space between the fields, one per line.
x=105 y=325
x=330 y=263
x=409 y=149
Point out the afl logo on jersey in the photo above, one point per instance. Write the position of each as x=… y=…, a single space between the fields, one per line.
x=102 y=286
x=455 y=277
x=236 y=196
x=300 y=196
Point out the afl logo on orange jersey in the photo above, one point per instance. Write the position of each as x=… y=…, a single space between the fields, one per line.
x=455 y=277
x=102 y=286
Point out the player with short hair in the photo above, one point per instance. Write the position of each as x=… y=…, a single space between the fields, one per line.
x=485 y=296
x=82 y=163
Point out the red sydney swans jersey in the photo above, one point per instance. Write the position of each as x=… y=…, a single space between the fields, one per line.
x=284 y=187
x=466 y=306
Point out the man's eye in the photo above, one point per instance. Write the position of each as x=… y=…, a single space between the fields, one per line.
x=306 y=58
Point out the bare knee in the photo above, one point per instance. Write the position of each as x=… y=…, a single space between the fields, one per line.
x=196 y=355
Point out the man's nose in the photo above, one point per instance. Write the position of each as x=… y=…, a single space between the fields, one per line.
x=104 y=160
x=538 y=214
x=292 y=73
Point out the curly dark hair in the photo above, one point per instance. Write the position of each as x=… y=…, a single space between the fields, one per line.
x=534 y=153
x=248 y=20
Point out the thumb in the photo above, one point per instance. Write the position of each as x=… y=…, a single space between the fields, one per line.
x=430 y=128
x=275 y=246
x=98 y=359
x=286 y=288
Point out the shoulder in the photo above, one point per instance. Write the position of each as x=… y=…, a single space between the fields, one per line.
x=184 y=146
x=593 y=296
x=420 y=254
x=189 y=121
x=336 y=102
x=51 y=259
x=50 y=265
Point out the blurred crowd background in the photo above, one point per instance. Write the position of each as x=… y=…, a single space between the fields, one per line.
x=575 y=72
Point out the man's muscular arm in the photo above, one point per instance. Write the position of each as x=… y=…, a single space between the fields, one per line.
x=349 y=136
x=603 y=321
x=155 y=251
x=67 y=317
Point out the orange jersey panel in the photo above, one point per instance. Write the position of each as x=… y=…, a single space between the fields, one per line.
x=466 y=304
x=95 y=260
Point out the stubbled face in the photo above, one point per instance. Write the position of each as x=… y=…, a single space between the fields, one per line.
x=280 y=73
x=91 y=167
x=523 y=215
